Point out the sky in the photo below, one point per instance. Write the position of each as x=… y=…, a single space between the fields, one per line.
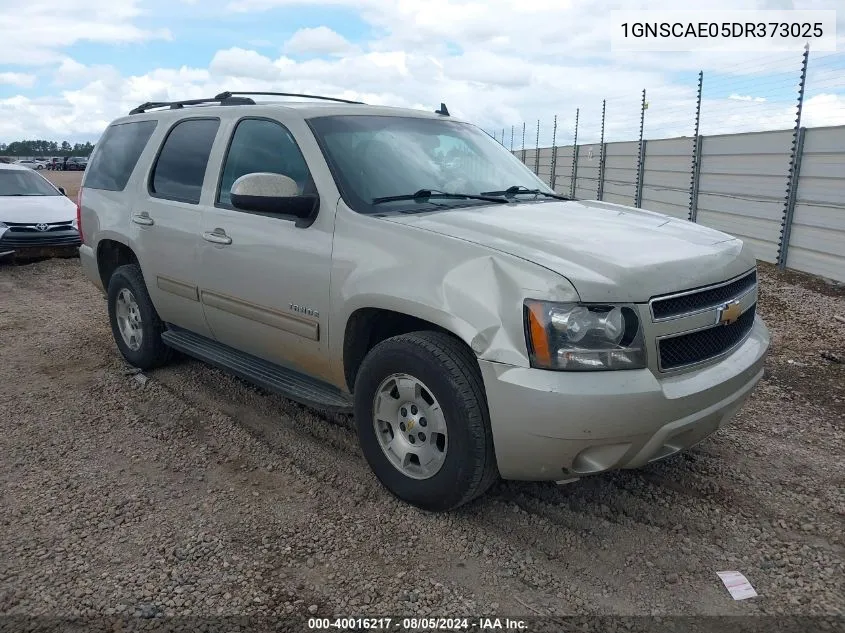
x=69 y=68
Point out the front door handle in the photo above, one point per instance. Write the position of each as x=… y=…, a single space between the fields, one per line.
x=142 y=218
x=217 y=236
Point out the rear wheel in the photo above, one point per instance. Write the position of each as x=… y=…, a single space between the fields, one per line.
x=423 y=422
x=135 y=324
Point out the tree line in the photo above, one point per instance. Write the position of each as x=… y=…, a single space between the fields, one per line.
x=45 y=148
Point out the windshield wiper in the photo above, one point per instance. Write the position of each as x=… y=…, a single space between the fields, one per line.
x=426 y=194
x=517 y=189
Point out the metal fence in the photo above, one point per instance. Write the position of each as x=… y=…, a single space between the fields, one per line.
x=781 y=190
x=788 y=205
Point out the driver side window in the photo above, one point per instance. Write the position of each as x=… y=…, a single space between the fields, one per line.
x=261 y=145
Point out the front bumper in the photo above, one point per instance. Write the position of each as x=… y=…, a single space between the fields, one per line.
x=26 y=242
x=551 y=425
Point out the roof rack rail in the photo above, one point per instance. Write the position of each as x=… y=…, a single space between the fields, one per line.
x=229 y=95
x=175 y=105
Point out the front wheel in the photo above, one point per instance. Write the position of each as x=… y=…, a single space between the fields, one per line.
x=135 y=324
x=422 y=420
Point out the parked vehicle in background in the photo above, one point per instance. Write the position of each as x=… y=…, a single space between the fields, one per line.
x=76 y=163
x=36 y=217
x=404 y=265
x=27 y=162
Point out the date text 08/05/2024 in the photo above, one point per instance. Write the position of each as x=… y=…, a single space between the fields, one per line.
x=413 y=624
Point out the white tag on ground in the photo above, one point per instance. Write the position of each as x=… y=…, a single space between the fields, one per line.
x=737 y=585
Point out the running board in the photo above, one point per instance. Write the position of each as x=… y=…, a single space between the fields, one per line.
x=285 y=382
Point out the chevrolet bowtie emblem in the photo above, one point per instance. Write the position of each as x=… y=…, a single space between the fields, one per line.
x=729 y=312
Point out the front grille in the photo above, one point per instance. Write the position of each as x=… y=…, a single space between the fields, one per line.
x=29 y=227
x=702 y=300
x=696 y=347
x=39 y=239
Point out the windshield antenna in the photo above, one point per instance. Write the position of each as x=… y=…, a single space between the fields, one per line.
x=442 y=110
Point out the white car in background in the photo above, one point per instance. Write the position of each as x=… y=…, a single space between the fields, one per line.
x=35 y=215
x=32 y=164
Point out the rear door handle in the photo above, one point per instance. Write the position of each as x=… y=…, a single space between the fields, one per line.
x=142 y=218
x=217 y=236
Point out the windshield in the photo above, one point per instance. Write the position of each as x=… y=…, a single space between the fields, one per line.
x=378 y=157
x=17 y=182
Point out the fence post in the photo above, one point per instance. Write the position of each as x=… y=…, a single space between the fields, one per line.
x=554 y=156
x=523 y=142
x=638 y=189
x=641 y=174
x=695 y=168
x=786 y=232
x=696 y=178
x=537 y=151
x=600 y=183
x=511 y=139
x=574 y=157
x=794 y=167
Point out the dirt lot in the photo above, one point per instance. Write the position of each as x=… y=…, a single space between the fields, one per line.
x=70 y=180
x=198 y=494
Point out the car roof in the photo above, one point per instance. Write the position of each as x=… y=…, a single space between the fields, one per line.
x=304 y=109
x=13 y=167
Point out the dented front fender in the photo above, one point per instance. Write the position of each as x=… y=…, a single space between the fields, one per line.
x=468 y=289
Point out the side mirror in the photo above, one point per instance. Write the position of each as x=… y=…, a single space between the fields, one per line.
x=274 y=194
x=62 y=191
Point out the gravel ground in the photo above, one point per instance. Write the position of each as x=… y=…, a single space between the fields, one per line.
x=198 y=494
x=70 y=180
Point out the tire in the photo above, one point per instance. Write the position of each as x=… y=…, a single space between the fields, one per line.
x=151 y=351
x=447 y=369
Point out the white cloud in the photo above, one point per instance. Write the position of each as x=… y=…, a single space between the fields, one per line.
x=36 y=30
x=494 y=62
x=824 y=110
x=318 y=41
x=737 y=97
x=22 y=80
x=71 y=72
x=243 y=63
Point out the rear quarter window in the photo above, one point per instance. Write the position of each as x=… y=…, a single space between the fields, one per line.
x=116 y=155
x=179 y=171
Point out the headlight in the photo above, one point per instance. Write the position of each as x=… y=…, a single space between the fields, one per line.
x=578 y=337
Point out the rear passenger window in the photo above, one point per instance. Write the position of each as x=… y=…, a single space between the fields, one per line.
x=259 y=145
x=116 y=154
x=180 y=169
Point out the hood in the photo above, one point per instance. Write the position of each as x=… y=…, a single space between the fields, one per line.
x=36 y=209
x=609 y=252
